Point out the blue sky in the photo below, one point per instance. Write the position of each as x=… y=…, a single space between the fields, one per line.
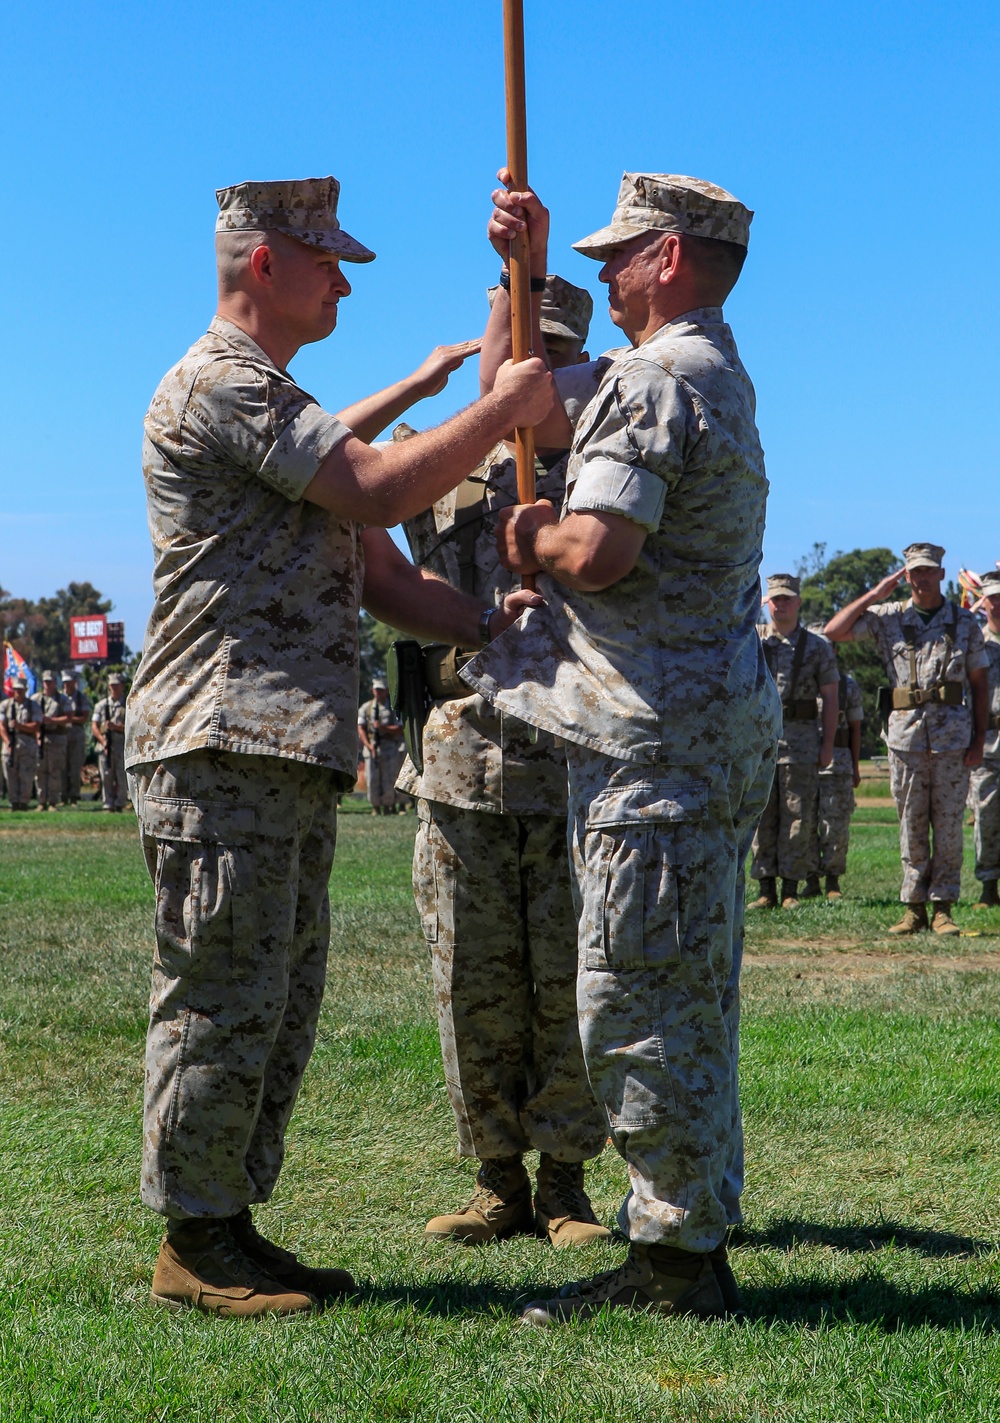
x=865 y=137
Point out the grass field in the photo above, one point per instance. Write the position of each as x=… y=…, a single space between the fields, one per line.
x=869 y=1256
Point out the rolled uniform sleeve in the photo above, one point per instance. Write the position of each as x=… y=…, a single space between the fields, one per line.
x=642 y=427
x=865 y=626
x=263 y=426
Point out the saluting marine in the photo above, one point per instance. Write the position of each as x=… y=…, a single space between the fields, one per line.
x=933 y=654
x=381 y=735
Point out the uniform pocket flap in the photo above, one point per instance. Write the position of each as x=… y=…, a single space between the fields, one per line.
x=654 y=804
x=210 y=822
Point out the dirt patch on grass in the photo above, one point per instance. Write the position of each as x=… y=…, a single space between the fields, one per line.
x=853 y=962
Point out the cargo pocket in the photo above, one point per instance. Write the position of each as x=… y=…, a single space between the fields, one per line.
x=425 y=873
x=636 y=839
x=206 y=888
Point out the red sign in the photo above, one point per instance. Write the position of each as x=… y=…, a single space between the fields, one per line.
x=88 y=638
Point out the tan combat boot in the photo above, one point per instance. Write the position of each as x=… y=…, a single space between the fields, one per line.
x=988 y=899
x=499 y=1207
x=563 y=1211
x=789 y=894
x=942 y=922
x=659 y=1278
x=768 y=894
x=286 y=1268
x=833 y=890
x=813 y=889
x=912 y=922
x=201 y=1265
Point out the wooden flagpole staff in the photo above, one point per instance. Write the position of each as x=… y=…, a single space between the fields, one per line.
x=520 y=257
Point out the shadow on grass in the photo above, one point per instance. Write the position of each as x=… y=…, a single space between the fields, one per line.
x=810 y=1302
x=784 y=1233
x=876 y=1301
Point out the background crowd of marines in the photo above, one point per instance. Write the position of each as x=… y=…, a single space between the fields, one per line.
x=638 y=710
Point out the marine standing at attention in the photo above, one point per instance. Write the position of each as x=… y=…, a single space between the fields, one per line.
x=933 y=654
x=242 y=720
x=492 y=884
x=646 y=660
x=804 y=668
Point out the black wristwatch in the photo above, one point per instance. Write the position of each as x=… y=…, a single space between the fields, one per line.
x=484 y=626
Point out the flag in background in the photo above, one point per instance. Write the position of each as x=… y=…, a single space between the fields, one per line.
x=14 y=665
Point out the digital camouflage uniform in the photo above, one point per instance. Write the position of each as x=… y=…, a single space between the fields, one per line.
x=986 y=777
x=381 y=769
x=110 y=717
x=927 y=744
x=491 y=876
x=659 y=686
x=76 y=748
x=20 y=758
x=836 y=783
x=241 y=730
x=52 y=755
x=785 y=843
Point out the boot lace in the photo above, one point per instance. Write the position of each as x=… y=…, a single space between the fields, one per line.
x=565 y=1191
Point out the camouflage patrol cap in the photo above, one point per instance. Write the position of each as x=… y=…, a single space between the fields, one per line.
x=21 y=682
x=989 y=586
x=303 y=208
x=566 y=310
x=69 y=674
x=116 y=680
x=669 y=202
x=923 y=556
x=783 y=585
x=48 y=676
x=378 y=685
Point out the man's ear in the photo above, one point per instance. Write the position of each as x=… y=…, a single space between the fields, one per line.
x=670 y=259
x=583 y=358
x=261 y=264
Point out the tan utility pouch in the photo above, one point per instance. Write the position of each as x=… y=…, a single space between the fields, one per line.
x=441 y=666
x=949 y=694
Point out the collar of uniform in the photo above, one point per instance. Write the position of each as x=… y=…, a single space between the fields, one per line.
x=792 y=637
x=916 y=617
x=234 y=336
x=694 y=320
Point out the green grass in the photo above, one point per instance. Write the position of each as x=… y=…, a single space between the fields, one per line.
x=869 y=1260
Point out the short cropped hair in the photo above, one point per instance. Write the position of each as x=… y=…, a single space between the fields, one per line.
x=720 y=263
x=232 y=254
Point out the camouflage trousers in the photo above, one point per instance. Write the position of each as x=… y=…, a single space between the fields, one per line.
x=240 y=850
x=985 y=793
x=836 y=806
x=785 y=843
x=930 y=789
x=381 y=772
x=20 y=763
x=114 y=786
x=658 y=853
x=51 y=770
x=76 y=754
x=494 y=897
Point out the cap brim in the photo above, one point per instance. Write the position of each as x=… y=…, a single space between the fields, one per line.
x=556 y=328
x=339 y=242
x=924 y=563
x=600 y=243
